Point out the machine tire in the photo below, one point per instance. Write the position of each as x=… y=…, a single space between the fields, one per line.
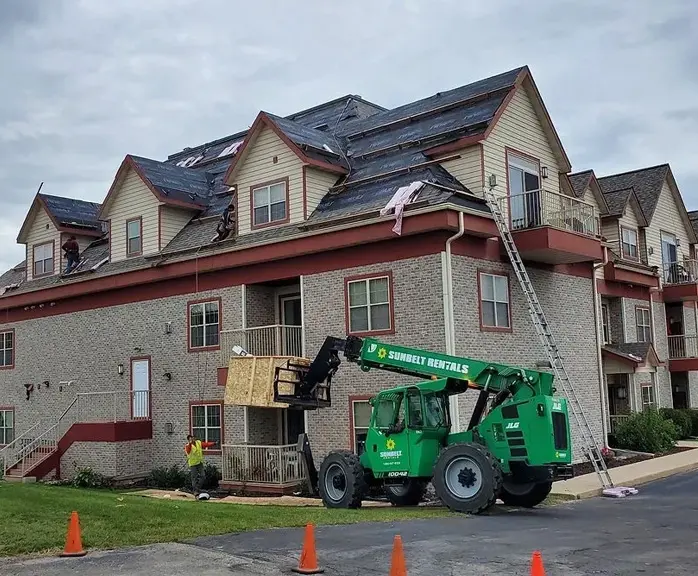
x=350 y=487
x=409 y=494
x=525 y=495
x=478 y=466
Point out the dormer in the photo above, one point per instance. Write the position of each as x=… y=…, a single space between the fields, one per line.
x=281 y=172
x=50 y=221
x=148 y=204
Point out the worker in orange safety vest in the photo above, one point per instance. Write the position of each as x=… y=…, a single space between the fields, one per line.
x=194 y=449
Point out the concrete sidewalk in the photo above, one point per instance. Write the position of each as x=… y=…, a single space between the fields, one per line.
x=632 y=475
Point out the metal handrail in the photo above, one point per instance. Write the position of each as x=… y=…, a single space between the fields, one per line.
x=680 y=272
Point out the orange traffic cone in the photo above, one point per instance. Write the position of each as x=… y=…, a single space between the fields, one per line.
x=397 y=563
x=73 y=540
x=537 y=564
x=308 y=560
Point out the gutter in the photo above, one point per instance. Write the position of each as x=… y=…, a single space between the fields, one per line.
x=653 y=375
x=599 y=344
x=449 y=322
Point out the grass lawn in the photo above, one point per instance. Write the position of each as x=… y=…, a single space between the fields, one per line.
x=34 y=518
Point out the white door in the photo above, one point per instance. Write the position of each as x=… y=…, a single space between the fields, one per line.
x=140 y=387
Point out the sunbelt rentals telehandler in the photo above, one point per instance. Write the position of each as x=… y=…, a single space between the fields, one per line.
x=512 y=449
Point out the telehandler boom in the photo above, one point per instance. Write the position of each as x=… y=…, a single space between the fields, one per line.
x=512 y=449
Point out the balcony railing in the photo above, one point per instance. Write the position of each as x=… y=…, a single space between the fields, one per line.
x=262 y=465
x=274 y=340
x=616 y=420
x=684 y=272
x=683 y=346
x=538 y=208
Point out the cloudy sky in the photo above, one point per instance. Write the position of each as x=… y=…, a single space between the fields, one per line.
x=84 y=82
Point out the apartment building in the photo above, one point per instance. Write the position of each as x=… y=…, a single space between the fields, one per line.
x=276 y=237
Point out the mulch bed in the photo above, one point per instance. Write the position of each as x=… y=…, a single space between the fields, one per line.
x=588 y=468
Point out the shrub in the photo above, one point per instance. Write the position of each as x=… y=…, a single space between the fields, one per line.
x=681 y=420
x=167 y=478
x=88 y=478
x=647 y=432
x=693 y=415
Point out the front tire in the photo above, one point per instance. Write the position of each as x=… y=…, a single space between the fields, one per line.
x=342 y=481
x=525 y=495
x=408 y=494
x=467 y=478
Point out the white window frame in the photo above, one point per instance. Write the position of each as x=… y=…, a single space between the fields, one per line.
x=255 y=206
x=641 y=326
x=651 y=401
x=496 y=301
x=625 y=242
x=4 y=437
x=367 y=286
x=4 y=348
x=196 y=430
x=204 y=324
x=605 y=324
x=49 y=246
x=130 y=252
x=354 y=427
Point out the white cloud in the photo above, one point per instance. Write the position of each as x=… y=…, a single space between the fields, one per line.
x=93 y=80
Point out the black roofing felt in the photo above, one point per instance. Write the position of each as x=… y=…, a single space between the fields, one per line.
x=174 y=182
x=68 y=211
x=646 y=183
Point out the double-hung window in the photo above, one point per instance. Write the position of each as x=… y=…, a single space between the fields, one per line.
x=269 y=204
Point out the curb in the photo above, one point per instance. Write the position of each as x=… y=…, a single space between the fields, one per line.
x=637 y=481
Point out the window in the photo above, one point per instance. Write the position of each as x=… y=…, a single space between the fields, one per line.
x=647 y=396
x=7 y=426
x=269 y=204
x=134 y=238
x=360 y=419
x=43 y=259
x=204 y=324
x=7 y=349
x=524 y=191
x=369 y=302
x=629 y=243
x=642 y=320
x=494 y=301
x=207 y=423
x=605 y=324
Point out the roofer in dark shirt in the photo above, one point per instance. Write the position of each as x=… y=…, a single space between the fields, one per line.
x=72 y=253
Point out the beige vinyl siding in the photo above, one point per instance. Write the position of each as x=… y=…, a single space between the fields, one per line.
x=317 y=185
x=258 y=168
x=629 y=220
x=131 y=200
x=42 y=231
x=666 y=218
x=519 y=128
x=467 y=169
x=172 y=221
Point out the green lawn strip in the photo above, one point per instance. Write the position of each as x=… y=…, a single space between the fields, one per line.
x=34 y=518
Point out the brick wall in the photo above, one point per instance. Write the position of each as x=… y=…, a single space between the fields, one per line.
x=86 y=347
x=419 y=322
x=615 y=318
x=260 y=301
x=263 y=426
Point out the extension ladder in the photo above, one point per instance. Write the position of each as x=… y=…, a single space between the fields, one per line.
x=546 y=337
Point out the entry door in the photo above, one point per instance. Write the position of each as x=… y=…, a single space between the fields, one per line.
x=669 y=256
x=291 y=321
x=294 y=425
x=140 y=386
x=524 y=193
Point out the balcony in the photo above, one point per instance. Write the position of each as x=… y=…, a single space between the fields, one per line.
x=680 y=281
x=275 y=469
x=553 y=228
x=683 y=353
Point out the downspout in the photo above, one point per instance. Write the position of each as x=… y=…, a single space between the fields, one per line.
x=449 y=322
x=654 y=343
x=599 y=343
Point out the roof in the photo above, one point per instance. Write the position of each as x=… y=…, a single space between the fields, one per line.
x=374 y=150
x=693 y=217
x=646 y=183
x=581 y=181
x=72 y=213
x=634 y=352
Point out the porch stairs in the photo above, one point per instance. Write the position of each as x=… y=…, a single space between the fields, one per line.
x=37 y=452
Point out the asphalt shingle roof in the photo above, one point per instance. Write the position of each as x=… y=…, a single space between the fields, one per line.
x=646 y=183
x=617 y=200
x=382 y=150
x=580 y=182
x=631 y=350
x=693 y=217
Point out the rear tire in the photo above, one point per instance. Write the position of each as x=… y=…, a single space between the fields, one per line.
x=467 y=478
x=342 y=480
x=408 y=494
x=525 y=495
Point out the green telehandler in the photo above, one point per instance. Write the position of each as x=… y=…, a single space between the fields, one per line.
x=512 y=449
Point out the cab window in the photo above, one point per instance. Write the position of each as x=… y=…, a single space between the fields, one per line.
x=435 y=410
x=414 y=409
x=386 y=411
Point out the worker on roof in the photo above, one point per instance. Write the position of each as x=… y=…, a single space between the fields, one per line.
x=72 y=253
x=194 y=450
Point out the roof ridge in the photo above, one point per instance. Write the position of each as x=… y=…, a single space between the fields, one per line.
x=646 y=169
x=44 y=195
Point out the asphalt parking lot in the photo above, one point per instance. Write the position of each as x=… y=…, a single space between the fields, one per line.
x=653 y=532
